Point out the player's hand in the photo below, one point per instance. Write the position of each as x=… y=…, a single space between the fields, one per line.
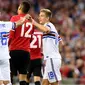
x=21 y=21
x=27 y=16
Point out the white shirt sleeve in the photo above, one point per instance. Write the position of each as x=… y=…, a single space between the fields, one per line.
x=47 y=25
x=7 y=25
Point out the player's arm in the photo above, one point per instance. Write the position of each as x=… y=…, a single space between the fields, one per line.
x=40 y=27
x=12 y=25
x=22 y=20
x=61 y=41
x=7 y=25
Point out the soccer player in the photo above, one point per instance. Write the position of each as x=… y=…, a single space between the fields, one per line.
x=51 y=53
x=35 y=57
x=19 y=43
x=4 y=54
x=5 y=27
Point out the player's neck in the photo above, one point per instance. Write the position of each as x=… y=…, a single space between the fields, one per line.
x=47 y=22
x=22 y=14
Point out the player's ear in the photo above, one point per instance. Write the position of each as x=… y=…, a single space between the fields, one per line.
x=48 y=18
x=20 y=7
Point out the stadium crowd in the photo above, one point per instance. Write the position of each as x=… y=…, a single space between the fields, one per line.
x=69 y=19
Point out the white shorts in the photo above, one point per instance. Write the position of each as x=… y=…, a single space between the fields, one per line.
x=52 y=70
x=5 y=70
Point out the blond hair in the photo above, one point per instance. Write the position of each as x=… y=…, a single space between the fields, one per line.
x=47 y=12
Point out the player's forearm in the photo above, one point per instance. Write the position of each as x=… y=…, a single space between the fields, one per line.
x=62 y=43
x=17 y=24
x=20 y=22
x=41 y=27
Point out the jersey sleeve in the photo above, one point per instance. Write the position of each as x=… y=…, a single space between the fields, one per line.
x=7 y=26
x=12 y=19
x=59 y=38
x=48 y=26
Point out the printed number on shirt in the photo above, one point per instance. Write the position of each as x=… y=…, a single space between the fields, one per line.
x=35 y=39
x=3 y=39
x=26 y=34
x=51 y=75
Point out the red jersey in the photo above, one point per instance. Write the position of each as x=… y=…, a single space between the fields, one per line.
x=35 y=45
x=19 y=38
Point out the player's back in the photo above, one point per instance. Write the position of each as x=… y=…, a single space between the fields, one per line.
x=4 y=53
x=20 y=38
x=36 y=45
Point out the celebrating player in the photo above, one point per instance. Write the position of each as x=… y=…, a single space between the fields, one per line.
x=51 y=53
x=19 y=43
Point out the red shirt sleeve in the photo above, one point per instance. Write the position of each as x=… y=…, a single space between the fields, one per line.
x=12 y=19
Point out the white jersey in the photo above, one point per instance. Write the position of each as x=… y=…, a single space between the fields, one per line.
x=51 y=43
x=5 y=27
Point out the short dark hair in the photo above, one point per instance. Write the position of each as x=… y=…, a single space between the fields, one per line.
x=25 y=7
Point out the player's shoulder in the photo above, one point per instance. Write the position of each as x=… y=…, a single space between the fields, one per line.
x=49 y=24
x=14 y=18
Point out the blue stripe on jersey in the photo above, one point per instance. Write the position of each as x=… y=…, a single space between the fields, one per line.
x=59 y=39
x=53 y=70
x=53 y=37
x=48 y=26
x=52 y=32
